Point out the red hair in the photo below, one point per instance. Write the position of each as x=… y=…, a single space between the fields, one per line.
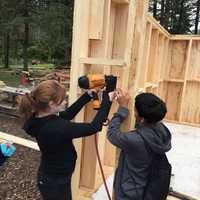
x=38 y=99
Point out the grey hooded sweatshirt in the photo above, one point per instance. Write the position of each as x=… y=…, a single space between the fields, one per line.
x=135 y=159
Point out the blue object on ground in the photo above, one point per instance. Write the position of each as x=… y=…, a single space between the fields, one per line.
x=7 y=149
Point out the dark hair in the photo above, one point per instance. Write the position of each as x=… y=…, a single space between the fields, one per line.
x=150 y=107
x=38 y=99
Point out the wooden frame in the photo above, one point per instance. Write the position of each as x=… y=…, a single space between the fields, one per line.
x=131 y=44
x=119 y=37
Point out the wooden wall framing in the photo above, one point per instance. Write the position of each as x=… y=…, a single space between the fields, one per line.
x=119 y=37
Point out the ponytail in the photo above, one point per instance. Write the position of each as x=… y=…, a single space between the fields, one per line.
x=26 y=106
x=38 y=99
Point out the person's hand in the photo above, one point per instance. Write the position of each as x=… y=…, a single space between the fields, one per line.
x=92 y=91
x=111 y=82
x=123 y=98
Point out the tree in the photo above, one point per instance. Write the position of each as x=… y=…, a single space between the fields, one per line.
x=197 y=16
x=174 y=15
x=7 y=14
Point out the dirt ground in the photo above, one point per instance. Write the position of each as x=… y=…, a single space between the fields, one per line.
x=18 y=174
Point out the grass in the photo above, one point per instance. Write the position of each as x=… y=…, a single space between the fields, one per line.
x=9 y=79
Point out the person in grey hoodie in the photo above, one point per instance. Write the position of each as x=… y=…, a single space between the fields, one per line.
x=135 y=159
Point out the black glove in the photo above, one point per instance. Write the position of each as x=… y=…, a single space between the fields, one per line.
x=111 y=82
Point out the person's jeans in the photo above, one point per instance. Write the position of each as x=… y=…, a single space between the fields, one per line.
x=54 y=188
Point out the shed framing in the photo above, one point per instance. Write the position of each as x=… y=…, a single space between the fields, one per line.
x=126 y=41
x=119 y=37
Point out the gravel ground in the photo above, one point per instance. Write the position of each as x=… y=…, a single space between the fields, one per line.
x=18 y=174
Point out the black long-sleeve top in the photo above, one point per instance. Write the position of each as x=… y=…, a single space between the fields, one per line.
x=54 y=134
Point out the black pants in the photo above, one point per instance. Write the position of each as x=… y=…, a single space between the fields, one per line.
x=2 y=158
x=55 y=188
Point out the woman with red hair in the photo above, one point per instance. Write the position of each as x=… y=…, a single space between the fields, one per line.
x=47 y=119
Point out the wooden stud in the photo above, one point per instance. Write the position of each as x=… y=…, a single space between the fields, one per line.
x=100 y=54
x=96 y=19
x=151 y=74
x=121 y=1
x=79 y=49
x=143 y=77
x=157 y=26
x=188 y=56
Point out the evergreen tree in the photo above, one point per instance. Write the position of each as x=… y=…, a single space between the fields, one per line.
x=197 y=4
x=174 y=15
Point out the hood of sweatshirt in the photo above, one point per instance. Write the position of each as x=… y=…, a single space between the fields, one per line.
x=157 y=137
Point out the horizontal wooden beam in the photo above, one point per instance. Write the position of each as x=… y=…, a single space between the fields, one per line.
x=174 y=80
x=102 y=61
x=157 y=26
x=153 y=85
x=19 y=140
x=182 y=123
x=121 y=1
x=185 y=37
x=193 y=80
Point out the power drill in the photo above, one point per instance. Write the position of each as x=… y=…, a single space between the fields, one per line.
x=94 y=81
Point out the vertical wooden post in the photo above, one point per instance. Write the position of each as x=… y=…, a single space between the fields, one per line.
x=79 y=49
x=143 y=76
x=188 y=55
x=134 y=51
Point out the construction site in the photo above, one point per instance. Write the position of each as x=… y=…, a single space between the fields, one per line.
x=121 y=38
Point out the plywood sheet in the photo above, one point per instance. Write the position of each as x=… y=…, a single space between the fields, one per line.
x=173 y=98
x=194 y=64
x=178 y=59
x=191 y=106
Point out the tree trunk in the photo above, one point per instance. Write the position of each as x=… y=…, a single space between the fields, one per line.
x=25 y=46
x=162 y=14
x=179 y=28
x=167 y=16
x=197 y=17
x=6 y=49
x=26 y=36
x=155 y=9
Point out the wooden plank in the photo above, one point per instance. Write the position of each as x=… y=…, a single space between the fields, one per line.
x=164 y=70
x=109 y=150
x=183 y=122
x=188 y=56
x=178 y=59
x=160 y=57
x=174 y=80
x=143 y=76
x=191 y=108
x=185 y=37
x=173 y=98
x=148 y=84
x=121 y=20
x=194 y=66
x=157 y=26
x=121 y=1
x=151 y=74
x=96 y=19
x=134 y=50
x=80 y=44
x=100 y=54
x=19 y=140
x=193 y=80
x=89 y=161
x=102 y=61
